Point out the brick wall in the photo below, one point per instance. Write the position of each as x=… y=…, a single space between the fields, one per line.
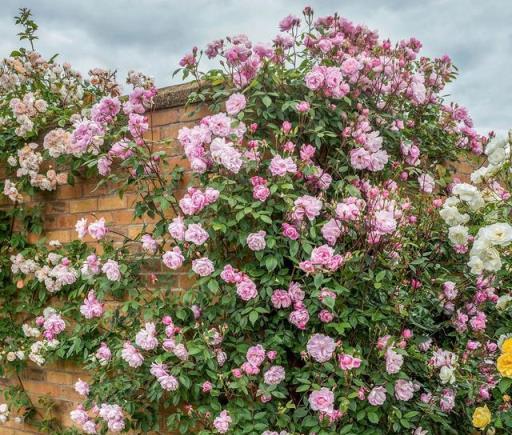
x=63 y=208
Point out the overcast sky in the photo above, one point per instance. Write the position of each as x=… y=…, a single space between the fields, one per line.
x=152 y=35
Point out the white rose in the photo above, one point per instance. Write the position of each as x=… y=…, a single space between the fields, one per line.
x=479 y=245
x=469 y=194
x=11 y=356
x=465 y=191
x=497 y=234
x=452 y=201
x=458 y=234
x=502 y=302
x=452 y=216
x=491 y=259
x=478 y=176
x=497 y=156
x=476 y=265
x=447 y=375
x=20 y=354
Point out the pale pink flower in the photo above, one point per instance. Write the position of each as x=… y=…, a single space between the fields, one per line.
x=131 y=355
x=377 y=396
x=173 y=259
x=348 y=362
x=394 y=361
x=196 y=234
x=281 y=299
x=308 y=206
x=203 y=266
x=103 y=353
x=256 y=355
x=91 y=307
x=222 y=422
x=427 y=183
x=81 y=228
x=149 y=244
x=321 y=400
x=82 y=387
x=290 y=232
x=235 y=104
x=246 y=289
x=206 y=387
x=331 y=231
x=280 y=166
x=404 y=390
x=177 y=229
x=256 y=241
x=321 y=347
x=274 y=375
x=299 y=318
x=146 y=337
x=111 y=270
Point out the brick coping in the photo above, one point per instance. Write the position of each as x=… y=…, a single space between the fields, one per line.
x=174 y=95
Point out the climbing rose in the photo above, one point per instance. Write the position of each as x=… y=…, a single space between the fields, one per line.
x=235 y=104
x=111 y=269
x=321 y=400
x=377 y=396
x=173 y=259
x=256 y=241
x=222 y=422
x=274 y=375
x=321 y=347
x=203 y=266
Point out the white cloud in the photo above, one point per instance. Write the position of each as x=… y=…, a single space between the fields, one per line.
x=152 y=35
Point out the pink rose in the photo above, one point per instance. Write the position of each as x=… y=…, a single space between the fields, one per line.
x=314 y=79
x=321 y=400
x=256 y=355
x=196 y=234
x=203 y=266
x=246 y=289
x=173 y=259
x=111 y=270
x=260 y=192
x=394 y=361
x=404 y=390
x=302 y=106
x=348 y=362
x=377 y=396
x=325 y=316
x=274 y=375
x=290 y=232
x=427 y=183
x=321 y=347
x=206 y=387
x=256 y=241
x=235 y=104
x=299 y=318
x=308 y=206
x=280 y=166
x=322 y=255
x=331 y=231
x=82 y=387
x=281 y=299
x=177 y=229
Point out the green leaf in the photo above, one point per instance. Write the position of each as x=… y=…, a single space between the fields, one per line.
x=267 y=101
x=253 y=317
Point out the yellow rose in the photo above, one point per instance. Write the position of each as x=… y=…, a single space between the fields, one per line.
x=481 y=417
x=506 y=347
x=504 y=365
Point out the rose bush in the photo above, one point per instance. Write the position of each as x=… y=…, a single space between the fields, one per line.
x=345 y=280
